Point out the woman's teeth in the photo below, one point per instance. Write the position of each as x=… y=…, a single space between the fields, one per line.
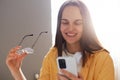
x=70 y=34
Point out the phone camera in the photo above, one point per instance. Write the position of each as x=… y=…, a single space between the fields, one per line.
x=62 y=63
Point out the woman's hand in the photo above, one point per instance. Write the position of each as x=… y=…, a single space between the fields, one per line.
x=14 y=62
x=68 y=76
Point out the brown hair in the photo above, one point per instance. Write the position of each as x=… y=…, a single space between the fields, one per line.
x=89 y=41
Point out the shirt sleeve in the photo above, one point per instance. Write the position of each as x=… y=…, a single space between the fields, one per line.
x=105 y=68
x=44 y=71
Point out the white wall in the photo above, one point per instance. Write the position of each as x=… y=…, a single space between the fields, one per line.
x=18 y=18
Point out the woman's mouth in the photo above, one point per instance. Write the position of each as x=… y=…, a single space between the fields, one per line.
x=71 y=34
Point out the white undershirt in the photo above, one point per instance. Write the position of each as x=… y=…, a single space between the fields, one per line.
x=77 y=56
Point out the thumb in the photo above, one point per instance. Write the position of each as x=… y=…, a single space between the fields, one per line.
x=22 y=56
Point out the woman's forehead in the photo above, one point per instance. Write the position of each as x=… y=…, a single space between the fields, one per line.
x=71 y=12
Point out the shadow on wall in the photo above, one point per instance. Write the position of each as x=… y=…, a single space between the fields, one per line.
x=19 y=18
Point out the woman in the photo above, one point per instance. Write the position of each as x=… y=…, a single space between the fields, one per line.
x=75 y=33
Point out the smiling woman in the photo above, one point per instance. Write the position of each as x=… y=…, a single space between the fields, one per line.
x=75 y=35
x=105 y=16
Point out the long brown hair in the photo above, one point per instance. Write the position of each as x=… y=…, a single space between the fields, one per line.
x=89 y=41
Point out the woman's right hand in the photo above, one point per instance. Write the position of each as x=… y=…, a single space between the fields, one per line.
x=14 y=61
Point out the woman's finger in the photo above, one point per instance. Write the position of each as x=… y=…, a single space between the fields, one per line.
x=62 y=77
x=14 y=50
x=68 y=74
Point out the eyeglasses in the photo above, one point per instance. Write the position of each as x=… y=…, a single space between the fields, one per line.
x=29 y=50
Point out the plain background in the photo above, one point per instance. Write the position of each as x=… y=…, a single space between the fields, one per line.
x=19 y=18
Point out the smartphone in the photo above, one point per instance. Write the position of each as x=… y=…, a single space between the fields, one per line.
x=67 y=63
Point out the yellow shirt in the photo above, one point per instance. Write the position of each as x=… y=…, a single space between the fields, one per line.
x=98 y=67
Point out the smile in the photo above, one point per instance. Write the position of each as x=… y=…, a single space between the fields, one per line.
x=71 y=34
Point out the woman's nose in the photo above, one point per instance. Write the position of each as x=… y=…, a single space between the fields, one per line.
x=71 y=27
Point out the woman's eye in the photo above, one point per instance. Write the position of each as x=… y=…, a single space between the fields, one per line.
x=78 y=23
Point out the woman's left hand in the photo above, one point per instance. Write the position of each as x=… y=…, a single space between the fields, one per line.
x=68 y=76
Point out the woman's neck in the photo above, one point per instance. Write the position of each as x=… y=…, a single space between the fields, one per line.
x=72 y=48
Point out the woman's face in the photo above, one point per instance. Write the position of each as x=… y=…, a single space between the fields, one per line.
x=71 y=25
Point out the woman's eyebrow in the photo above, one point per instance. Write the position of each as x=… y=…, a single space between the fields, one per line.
x=64 y=19
x=75 y=20
x=79 y=20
